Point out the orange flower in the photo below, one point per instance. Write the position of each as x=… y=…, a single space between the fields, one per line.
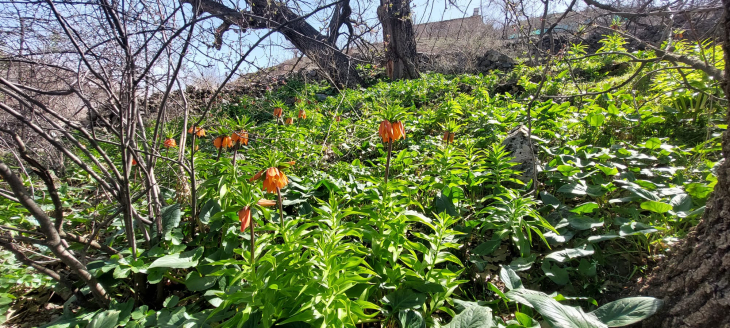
x=256 y=176
x=278 y=112
x=398 y=130
x=244 y=215
x=266 y=202
x=200 y=132
x=291 y=163
x=169 y=143
x=289 y=121
x=302 y=114
x=223 y=141
x=446 y=136
x=274 y=179
x=386 y=131
x=240 y=137
x=451 y=137
x=134 y=161
x=338 y=118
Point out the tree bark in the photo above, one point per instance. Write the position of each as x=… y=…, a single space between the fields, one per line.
x=694 y=280
x=399 y=39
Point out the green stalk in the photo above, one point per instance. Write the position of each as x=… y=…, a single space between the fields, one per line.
x=281 y=212
x=387 y=163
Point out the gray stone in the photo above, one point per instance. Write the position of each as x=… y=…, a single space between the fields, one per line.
x=517 y=144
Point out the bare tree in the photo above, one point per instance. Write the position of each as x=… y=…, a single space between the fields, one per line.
x=399 y=38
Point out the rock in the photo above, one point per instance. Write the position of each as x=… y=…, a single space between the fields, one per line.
x=517 y=144
x=494 y=59
x=320 y=97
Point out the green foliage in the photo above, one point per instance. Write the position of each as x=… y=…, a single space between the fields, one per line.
x=621 y=176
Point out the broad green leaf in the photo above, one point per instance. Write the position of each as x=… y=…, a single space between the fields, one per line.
x=635 y=228
x=555 y=273
x=510 y=278
x=580 y=222
x=210 y=208
x=523 y=263
x=171 y=301
x=681 y=203
x=607 y=170
x=195 y=282
x=178 y=261
x=595 y=119
x=404 y=299
x=699 y=190
x=585 y=208
x=643 y=193
x=106 y=319
x=627 y=310
x=570 y=253
x=587 y=268
x=556 y=314
x=411 y=319
x=486 y=247
x=653 y=143
x=656 y=207
x=473 y=317
x=170 y=218
x=549 y=199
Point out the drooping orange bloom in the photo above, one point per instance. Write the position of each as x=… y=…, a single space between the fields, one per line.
x=338 y=118
x=224 y=141
x=291 y=163
x=446 y=136
x=302 y=114
x=169 y=143
x=134 y=161
x=200 y=132
x=386 y=131
x=289 y=121
x=256 y=176
x=244 y=215
x=278 y=112
x=266 y=202
x=240 y=137
x=274 y=179
x=451 y=137
x=398 y=130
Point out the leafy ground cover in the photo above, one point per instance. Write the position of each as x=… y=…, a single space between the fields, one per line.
x=298 y=226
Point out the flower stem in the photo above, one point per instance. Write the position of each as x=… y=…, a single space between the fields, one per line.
x=387 y=163
x=281 y=212
x=253 y=248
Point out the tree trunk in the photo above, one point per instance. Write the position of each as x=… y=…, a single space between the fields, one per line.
x=265 y=14
x=399 y=38
x=694 y=280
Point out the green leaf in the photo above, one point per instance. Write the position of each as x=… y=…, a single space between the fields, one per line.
x=555 y=273
x=556 y=314
x=595 y=119
x=643 y=193
x=170 y=218
x=585 y=208
x=411 y=319
x=178 y=261
x=196 y=282
x=681 y=203
x=210 y=208
x=699 y=190
x=627 y=311
x=587 y=268
x=444 y=203
x=570 y=253
x=607 y=170
x=473 y=317
x=510 y=278
x=486 y=247
x=106 y=319
x=171 y=301
x=549 y=199
x=580 y=222
x=653 y=143
x=404 y=299
x=656 y=207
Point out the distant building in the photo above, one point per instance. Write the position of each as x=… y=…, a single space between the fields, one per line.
x=452 y=28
